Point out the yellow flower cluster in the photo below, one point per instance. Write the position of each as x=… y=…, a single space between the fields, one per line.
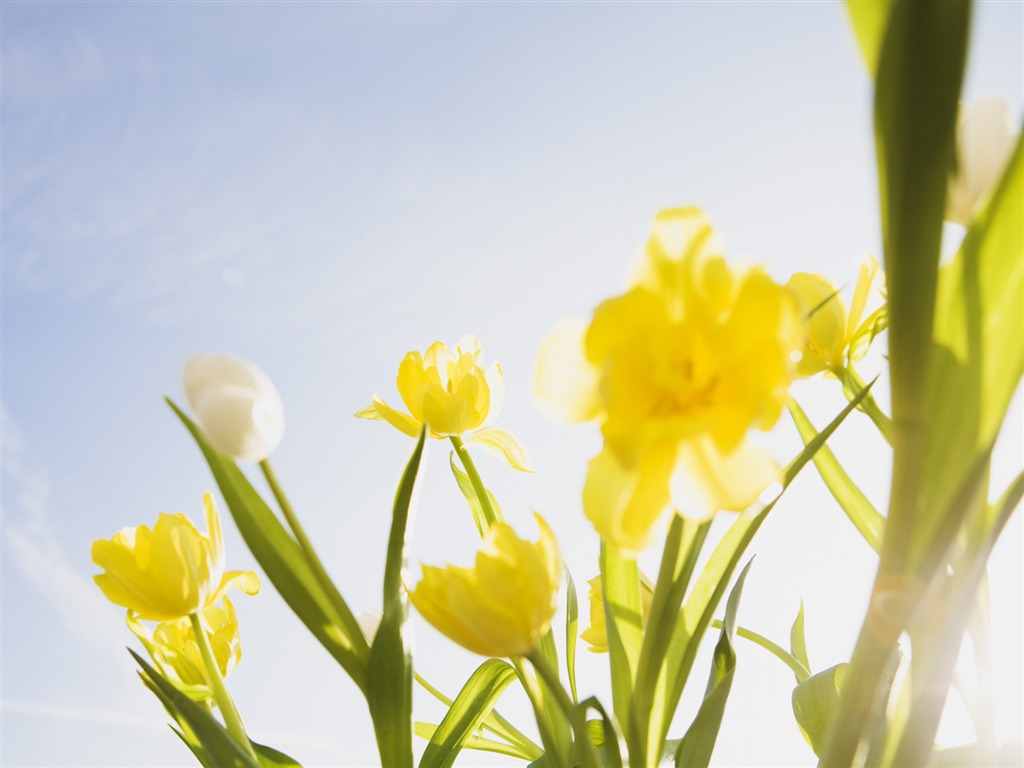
x=676 y=370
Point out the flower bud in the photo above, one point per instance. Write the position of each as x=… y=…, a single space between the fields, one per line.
x=237 y=405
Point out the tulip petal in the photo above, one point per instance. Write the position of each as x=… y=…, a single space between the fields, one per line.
x=381 y=411
x=501 y=445
x=244 y=581
x=707 y=480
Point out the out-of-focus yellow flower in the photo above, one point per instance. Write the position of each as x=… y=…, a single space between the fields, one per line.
x=833 y=338
x=451 y=392
x=596 y=635
x=985 y=139
x=236 y=403
x=503 y=605
x=676 y=370
x=172 y=645
x=170 y=571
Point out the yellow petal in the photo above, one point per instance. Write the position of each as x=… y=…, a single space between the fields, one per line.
x=706 y=480
x=565 y=382
x=400 y=421
x=502 y=445
x=624 y=502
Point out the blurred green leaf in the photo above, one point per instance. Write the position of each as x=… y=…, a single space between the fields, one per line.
x=389 y=670
x=978 y=358
x=271 y=758
x=620 y=584
x=284 y=563
x=209 y=740
x=469 y=492
x=815 y=702
x=467 y=713
x=870 y=19
x=572 y=621
x=699 y=741
x=479 y=743
x=865 y=518
x=797 y=641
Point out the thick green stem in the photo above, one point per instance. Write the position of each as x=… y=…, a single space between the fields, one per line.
x=351 y=625
x=490 y=513
x=232 y=720
x=574 y=714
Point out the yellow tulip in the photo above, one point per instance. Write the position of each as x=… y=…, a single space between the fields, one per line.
x=172 y=645
x=676 y=370
x=504 y=604
x=834 y=338
x=170 y=571
x=451 y=392
x=596 y=635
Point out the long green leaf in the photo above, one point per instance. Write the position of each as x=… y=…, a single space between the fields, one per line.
x=479 y=743
x=978 y=358
x=797 y=641
x=870 y=19
x=699 y=741
x=572 y=621
x=620 y=582
x=865 y=518
x=283 y=562
x=217 y=745
x=467 y=713
x=389 y=670
x=608 y=740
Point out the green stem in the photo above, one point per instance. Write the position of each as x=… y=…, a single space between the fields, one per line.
x=541 y=714
x=232 y=720
x=575 y=715
x=490 y=513
x=337 y=601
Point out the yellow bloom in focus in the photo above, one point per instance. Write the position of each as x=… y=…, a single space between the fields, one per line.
x=451 y=392
x=833 y=338
x=596 y=635
x=176 y=655
x=503 y=605
x=170 y=571
x=676 y=370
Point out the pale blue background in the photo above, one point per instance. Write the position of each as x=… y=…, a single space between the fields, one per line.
x=321 y=187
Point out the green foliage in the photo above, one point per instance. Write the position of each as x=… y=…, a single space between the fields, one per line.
x=476 y=508
x=870 y=19
x=466 y=714
x=815 y=702
x=572 y=620
x=699 y=742
x=326 y=615
x=389 y=670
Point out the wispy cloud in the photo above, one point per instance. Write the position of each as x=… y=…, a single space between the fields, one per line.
x=29 y=538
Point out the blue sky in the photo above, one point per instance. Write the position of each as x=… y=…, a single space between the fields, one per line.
x=321 y=187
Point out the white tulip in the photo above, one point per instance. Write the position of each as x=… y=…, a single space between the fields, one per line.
x=237 y=405
x=985 y=138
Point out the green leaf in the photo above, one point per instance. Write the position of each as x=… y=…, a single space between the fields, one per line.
x=699 y=741
x=389 y=670
x=284 y=563
x=870 y=19
x=271 y=758
x=815 y=702
x=865 y=518
x=978 y=358
x=620 y=584
x=797 y=641
x=473 y=703
x=479 y=743
x=469 y=492
x=200 y=728
x=604 y=735
x=572 y=621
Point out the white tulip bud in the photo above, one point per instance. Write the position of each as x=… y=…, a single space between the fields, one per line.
x=985 y=138
x=237 y=405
